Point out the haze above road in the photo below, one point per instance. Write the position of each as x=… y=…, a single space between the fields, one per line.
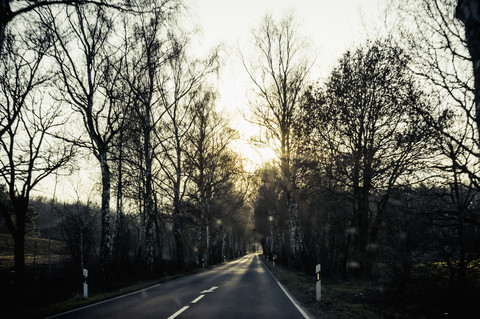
x=241 y=289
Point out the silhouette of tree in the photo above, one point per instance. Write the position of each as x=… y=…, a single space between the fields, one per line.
x=85 y=79
x=215 y=170
x=367 y=125
x=181 y=80
x=28 y=152
x=440 y=52
x=8 y=12
x=468 y=12
x=278 y=70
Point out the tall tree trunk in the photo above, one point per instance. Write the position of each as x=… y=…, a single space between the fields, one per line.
x=142 y=231
x=294 y=227
x=208 y=252
x=158 y=240
x=206 y=234
x=106 y=240
x=199 y=242
x=203 y=234
x=119 y=204
x=468 y=11
x=5 y=17
x=296 y=238
x=177 y=231
x=224 y=247
x=271 y=245
x=459 y=198
x=148 y=191
x=20 y=205
x=177 y=220
x=357 y=260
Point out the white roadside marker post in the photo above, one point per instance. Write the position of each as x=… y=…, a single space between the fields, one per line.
x=318 y=282
x=85 y=285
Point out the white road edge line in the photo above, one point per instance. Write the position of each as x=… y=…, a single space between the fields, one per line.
x=178 y=312
x=304 y=314
x=293 y=301
x=200 y=297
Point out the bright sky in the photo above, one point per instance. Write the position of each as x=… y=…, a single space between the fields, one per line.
x=331 y=26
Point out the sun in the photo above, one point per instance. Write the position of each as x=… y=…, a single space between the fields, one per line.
x=232 y=102
x=254 y=156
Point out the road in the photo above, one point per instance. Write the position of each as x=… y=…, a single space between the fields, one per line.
x=240 y=289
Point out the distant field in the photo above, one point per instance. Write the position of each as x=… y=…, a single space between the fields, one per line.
x=36 y=249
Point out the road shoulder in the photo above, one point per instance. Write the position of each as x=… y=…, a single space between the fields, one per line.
x=305 y=313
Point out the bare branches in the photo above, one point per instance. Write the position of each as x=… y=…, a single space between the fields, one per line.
x=279 y=74
x=28 y=151
x=19 y=76
x=441 y=61
x=90 y=84
x=279 y=77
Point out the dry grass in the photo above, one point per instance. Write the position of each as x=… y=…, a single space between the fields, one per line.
x=36 y=251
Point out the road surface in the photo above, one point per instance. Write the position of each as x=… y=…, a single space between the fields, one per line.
x=241 y=289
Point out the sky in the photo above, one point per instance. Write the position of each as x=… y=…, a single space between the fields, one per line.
x=331 y=27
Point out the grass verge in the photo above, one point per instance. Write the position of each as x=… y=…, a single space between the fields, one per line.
x=339 y=299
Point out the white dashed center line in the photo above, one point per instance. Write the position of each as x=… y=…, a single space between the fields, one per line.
x=178 y=312
x=209 y=290
x=200 y=297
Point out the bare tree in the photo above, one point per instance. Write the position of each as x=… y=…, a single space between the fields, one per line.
x=16 y=65
x=85 y=77
x=179 y=84
x=279 y=73
x=442 y=53
x=440 y=58
x=468 y=11
x=147 y=50
x=213 y=166
x=368 y=126
x=28 y=152
x=9 y=13
x=79 y=225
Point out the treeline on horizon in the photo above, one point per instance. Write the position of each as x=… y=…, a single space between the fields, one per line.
x=377 y=170
x=75 y=226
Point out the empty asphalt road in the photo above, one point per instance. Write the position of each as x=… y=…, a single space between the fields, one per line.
x=241 y=289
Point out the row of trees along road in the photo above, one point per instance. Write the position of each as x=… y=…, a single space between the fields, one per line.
x=377 y=168
x=382 y=154
x=364 y=122
x=119 y=83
